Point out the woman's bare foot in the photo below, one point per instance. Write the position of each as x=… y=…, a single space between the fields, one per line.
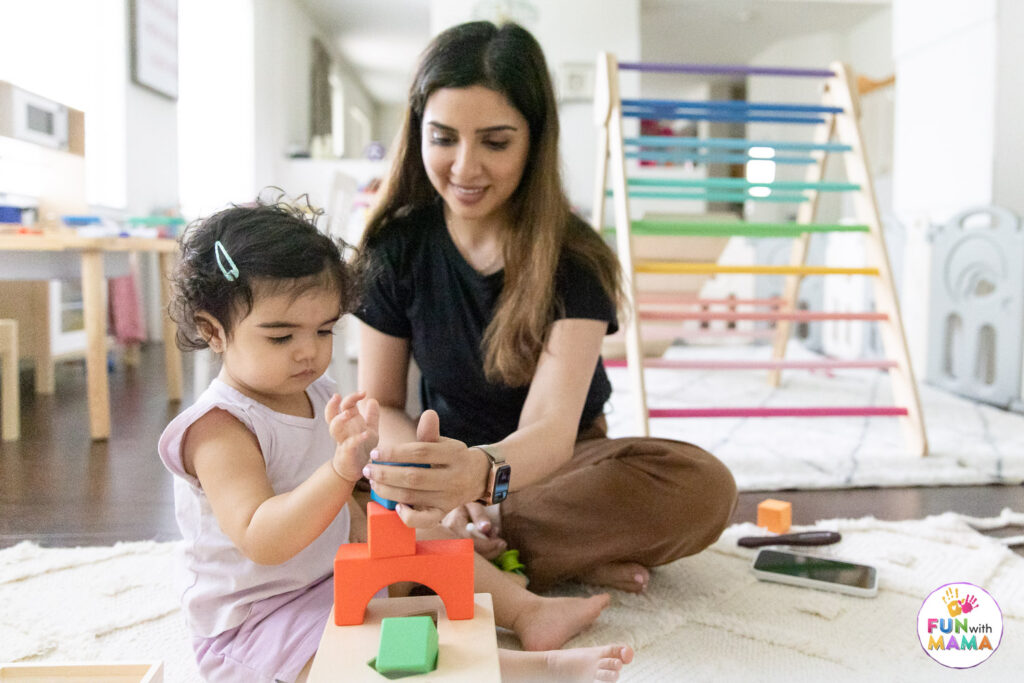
x=547 y=623
x=578 y=665
x=625 y=576
x=601 y=663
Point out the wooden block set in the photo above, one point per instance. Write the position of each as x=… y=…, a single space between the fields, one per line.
x=448 y=636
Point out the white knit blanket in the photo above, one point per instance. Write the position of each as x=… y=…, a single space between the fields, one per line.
x=704 y=618
x=971 y=443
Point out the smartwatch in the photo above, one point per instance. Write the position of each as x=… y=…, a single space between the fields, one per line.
x=497 y=478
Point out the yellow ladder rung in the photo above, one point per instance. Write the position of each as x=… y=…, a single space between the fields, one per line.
x=680 y=268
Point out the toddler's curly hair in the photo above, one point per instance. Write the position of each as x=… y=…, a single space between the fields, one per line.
x=275 y=245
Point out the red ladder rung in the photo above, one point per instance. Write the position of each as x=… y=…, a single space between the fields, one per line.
x=662 y=333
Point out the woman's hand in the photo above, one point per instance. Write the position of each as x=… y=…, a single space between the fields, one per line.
x=473 y=520
x=355 y=432
x=456 y=474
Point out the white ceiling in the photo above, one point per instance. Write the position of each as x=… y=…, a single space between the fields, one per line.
x=382 y=39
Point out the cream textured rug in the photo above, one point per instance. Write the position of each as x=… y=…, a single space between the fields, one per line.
x=704 y=618
x=971 y=443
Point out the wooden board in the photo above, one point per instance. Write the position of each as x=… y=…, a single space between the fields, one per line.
x=84 y=672
x=467 y=648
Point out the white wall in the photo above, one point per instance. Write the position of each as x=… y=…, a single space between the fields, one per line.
x=356 y=96
x=869 y=52
x=282 y=35
x=75 y=52
x=151 y=134
x=389 y=122
x=946 y=69
x=216 y=105
x=1008 y=171
x=945 y=54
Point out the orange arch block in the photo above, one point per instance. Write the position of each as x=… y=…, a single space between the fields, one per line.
x=393 y=554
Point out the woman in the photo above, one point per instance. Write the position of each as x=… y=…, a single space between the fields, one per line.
x=479 y=271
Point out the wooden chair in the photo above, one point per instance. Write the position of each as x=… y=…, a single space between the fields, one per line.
x=10 y=401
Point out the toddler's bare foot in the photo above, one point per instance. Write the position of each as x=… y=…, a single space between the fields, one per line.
x=625 y=576
x=601 y=663
x=547 y=623
x=578 y=665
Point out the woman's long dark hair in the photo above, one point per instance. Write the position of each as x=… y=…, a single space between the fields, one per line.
x=508 y=60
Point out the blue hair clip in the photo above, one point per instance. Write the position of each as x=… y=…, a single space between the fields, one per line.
x=219 y=251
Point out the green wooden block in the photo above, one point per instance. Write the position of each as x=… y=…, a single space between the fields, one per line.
x=408 y=645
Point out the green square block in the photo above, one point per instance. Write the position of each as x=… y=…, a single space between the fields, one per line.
x=408 y=645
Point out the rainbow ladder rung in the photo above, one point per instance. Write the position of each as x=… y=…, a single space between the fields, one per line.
x=818 y=411
x=733 y=316
x=768 y=364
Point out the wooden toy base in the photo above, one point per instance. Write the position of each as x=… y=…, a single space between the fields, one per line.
x=86 y=672
x=467 y=648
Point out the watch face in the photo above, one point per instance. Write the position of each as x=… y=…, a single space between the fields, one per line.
x=501 y=480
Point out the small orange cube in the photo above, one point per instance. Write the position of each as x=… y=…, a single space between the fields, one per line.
x=775 y=515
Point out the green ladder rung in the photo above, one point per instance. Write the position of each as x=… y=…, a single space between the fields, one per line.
x=701 y=158
x=732 y=229
x=737 y=197
x=733 y=143
x=740 y=184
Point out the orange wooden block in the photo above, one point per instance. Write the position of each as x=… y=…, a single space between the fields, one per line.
x=775 y=515
x=387 y=534
x=446 y=566
x=361 y=569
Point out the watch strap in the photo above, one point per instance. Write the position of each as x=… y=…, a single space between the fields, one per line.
x=493 y=454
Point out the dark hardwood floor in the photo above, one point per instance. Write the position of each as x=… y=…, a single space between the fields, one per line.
x=60 y=489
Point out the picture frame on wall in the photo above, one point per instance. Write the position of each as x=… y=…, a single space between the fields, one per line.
x=154 y=45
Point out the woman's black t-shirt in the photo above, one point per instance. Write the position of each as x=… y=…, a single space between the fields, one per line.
x=420 y=288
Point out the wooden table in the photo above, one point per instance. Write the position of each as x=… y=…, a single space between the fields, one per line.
x=46 y=256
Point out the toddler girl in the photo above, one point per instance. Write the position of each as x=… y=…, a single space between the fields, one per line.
x=261 y=485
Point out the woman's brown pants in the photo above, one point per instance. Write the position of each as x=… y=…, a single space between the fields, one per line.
x=643 y=500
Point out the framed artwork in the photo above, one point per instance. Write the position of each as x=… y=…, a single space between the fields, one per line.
x=154 y=45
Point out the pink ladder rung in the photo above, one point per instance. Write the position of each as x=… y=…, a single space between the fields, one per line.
x=658 y=332
x=713 y=364
x=822 y=411
x=671 y=298
x=797 y=316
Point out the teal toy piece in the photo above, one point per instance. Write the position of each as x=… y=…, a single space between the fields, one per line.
x=390 y=504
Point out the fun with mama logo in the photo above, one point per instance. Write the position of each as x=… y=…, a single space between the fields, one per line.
x=959 y=625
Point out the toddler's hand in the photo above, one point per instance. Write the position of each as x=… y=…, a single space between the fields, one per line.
x=472 y=521
x=355 y=432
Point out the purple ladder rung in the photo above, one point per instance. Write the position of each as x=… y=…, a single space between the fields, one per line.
x=725 y=69
x=822 y=411
x=768 y=364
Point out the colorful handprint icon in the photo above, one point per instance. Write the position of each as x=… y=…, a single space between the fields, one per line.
x=952 y=600
x=968 y=604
